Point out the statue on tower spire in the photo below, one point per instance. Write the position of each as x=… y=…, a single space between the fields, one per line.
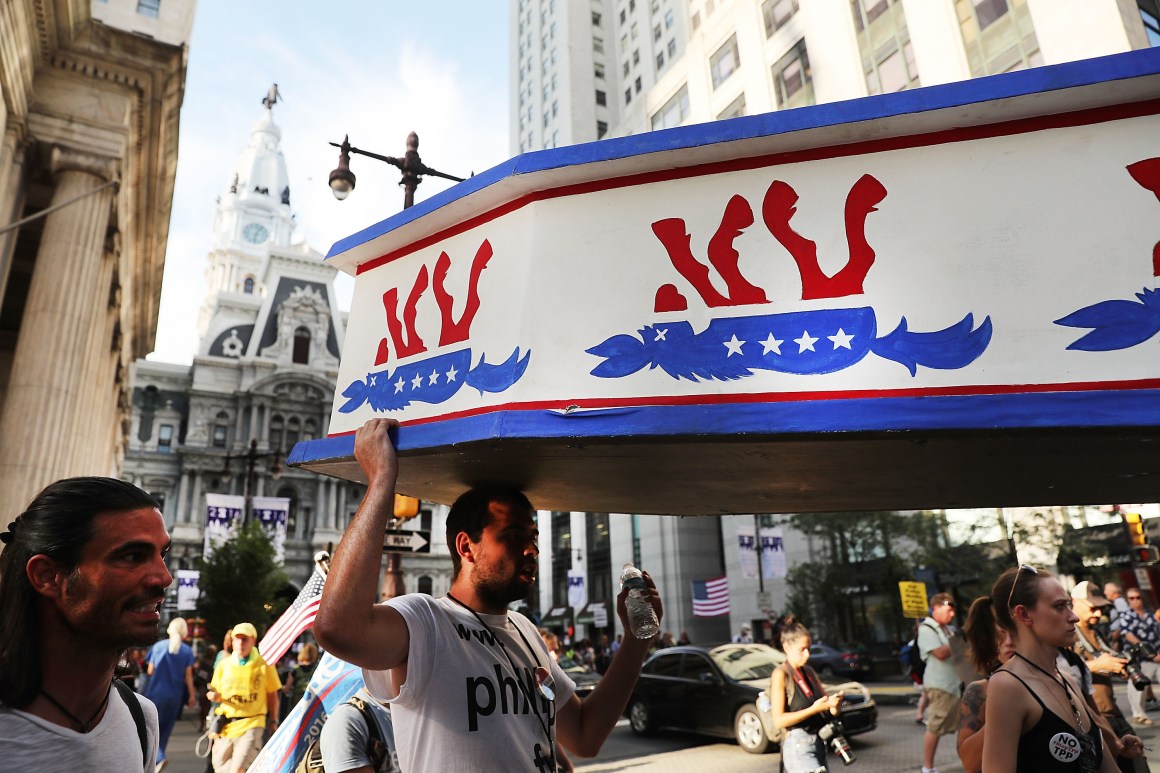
x=272 y=96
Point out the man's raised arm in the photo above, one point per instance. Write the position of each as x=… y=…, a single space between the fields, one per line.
x=349 y=623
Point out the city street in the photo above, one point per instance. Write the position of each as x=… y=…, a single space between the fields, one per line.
x=895 y=746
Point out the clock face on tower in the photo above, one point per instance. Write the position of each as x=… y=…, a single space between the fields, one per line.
x=255 y=233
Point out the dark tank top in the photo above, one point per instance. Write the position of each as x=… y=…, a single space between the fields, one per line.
x=799 y=701
x=1051 y=746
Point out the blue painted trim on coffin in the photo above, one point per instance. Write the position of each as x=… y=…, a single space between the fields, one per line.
x=1128 y=408
x=1086 y=72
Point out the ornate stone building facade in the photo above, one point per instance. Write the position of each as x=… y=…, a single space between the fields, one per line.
x=263 y=378
x=88 y=153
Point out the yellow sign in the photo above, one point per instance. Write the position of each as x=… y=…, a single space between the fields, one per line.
x=914 y=602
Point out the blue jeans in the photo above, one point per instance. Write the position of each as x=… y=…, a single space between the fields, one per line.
x=802 y=752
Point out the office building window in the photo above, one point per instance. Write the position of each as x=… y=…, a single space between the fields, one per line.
x=636 y=57
x=601 y=129
x=695 y=21
x=998 y=36
x=725 y=61
x=989 y=11
x=601 y=97
x=884 y=43
x=776 y=13
x=626 y=68
x=623 y=16
x=150 y=8
x=673 y=112
x=672 y=48
x=553 y=108
x=631 y=5
x=736 y=109
x=598 y=69
x=669 y=19
x=627 y=96
x=1150 y=15
x=657 y=33
x=635 y=30
x=792 y=80
x=660 y=59
x=637 y=84
x=598 y=44
x=596 y=18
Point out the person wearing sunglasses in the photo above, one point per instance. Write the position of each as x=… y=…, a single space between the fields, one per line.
x=941 y=647
x=1138 y=627
x=1037 y=718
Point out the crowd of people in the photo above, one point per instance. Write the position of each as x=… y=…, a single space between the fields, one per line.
x=467 y=683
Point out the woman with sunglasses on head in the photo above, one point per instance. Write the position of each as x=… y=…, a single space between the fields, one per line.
x=1037 y=720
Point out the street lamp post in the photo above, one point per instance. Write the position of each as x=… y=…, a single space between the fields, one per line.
x=342 y=182
x=251 y=458
x=414 y=170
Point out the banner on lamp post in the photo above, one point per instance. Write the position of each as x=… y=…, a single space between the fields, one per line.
x=577 y=591
x=773 y=565
x=187 y=590
x=223 y=515
x=747 y=551
x=273 y=513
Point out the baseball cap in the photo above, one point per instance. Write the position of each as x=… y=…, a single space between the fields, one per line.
x=1089 y=592
x=245 y=629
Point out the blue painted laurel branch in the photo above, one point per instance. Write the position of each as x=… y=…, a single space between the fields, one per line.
x=810 y=342
x=1116 y=324
x=433 y=380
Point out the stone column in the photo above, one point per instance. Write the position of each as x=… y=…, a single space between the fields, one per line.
x=53 y=348
x=184 y=511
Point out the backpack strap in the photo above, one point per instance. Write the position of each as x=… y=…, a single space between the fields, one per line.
x=134 y=705
x=376 y=736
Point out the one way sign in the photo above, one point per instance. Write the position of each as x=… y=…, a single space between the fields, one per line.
x=399 y=541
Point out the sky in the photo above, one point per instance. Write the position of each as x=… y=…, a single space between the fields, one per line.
x=373 y=70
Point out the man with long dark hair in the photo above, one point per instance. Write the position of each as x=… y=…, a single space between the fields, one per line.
x=82 y=578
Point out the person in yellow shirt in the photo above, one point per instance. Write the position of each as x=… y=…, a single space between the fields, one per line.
x=247 y=689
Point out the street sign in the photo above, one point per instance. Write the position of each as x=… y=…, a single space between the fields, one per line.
x=406 y=541
x=913 y=599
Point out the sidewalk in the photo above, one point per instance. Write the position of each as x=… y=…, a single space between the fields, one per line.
x=181 y=755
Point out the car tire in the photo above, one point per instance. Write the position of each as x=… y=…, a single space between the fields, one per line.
x=828 y=671
x=640 y=719
x=750 y=732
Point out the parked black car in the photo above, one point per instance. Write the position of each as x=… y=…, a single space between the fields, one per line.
x=713 y=691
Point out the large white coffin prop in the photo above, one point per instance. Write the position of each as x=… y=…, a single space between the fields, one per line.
x=943 y=297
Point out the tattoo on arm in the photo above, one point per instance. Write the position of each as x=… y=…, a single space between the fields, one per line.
x=972 y=708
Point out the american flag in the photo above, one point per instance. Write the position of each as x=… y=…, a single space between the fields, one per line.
x=711 y=597
x=294 y=620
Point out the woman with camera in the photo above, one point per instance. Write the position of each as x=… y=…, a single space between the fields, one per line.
x=800 y=705
x=1037 y=719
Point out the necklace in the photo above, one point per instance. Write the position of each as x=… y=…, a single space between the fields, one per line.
x=1062 y=683
x=84 y=726
x=542 y=676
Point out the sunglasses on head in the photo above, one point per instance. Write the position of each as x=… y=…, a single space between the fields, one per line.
x=1019 y=573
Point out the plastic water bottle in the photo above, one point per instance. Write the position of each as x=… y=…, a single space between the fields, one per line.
x=642 y=618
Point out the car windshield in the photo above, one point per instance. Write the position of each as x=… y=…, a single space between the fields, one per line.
x=742 y=663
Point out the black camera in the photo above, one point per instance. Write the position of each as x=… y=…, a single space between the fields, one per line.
x=1136 y=653
x=831 y=735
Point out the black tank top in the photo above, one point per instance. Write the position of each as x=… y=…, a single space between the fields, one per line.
x=1051 y=746
x=799 y=701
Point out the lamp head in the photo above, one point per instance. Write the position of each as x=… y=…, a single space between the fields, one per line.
x=342 y=179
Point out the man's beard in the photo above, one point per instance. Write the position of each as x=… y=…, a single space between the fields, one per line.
x=99 y=623
x=497 y=593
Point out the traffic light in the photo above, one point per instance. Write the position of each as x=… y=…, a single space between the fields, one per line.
x=1135 y=526
x=406 y=507
x=1145 y=555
